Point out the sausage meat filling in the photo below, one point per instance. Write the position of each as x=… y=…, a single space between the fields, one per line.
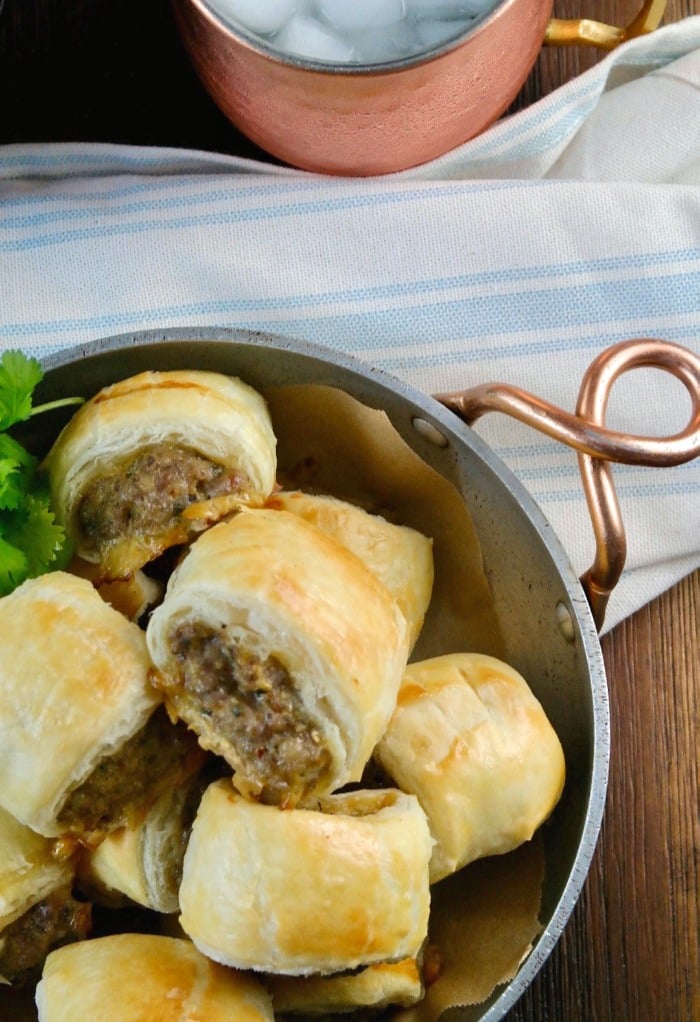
x=137 y=772
x=56 y=920
x=253 y=705
x=146 y=494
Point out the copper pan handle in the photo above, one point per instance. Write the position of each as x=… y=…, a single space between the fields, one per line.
x=597 y=446
x=584 y=32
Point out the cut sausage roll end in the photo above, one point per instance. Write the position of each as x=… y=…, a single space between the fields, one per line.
x=37 y=907
x=282 y=651
x=149 y=462
x=86 y=741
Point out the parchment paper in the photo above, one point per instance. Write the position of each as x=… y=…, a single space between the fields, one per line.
x=329 y=442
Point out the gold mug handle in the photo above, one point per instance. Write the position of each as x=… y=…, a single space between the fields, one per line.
x=584 y=32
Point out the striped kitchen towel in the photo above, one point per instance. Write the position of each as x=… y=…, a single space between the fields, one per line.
x=517 y=257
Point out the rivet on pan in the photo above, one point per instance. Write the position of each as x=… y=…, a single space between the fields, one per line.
x=565 y=622
x=430 y=432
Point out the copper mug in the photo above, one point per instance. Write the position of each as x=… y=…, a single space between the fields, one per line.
x=361 y=120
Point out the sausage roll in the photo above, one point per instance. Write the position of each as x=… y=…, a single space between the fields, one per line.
x=378 y=986
x=471 y=741
x=149 y=462
x=401 y=557
x=142 y=862
x=303 y=891
x=37 y=909
x=133 y=596
x=134 y=977
x=84 y=739
x=282 y=651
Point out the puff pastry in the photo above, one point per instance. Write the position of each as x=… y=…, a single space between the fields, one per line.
x=142 y=863
x=36 y=905
x=378 y=986
x=132 y=596
x=282 y=651
x=401 y=557
x=471 y=741
x=150 y=461
x=303 y=891
x=81 y=735
x=136 y=977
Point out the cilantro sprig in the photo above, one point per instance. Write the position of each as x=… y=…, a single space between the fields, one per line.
x=31 y=541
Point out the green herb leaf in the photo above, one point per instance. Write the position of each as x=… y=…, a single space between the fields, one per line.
x=35 y=532
x=31 y=541
x=16 y=471
x=19 y=375
x=13 y=567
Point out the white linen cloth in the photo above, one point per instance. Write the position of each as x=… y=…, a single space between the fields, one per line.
x=517 y=257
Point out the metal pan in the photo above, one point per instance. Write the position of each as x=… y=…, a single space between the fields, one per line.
x=549 y=618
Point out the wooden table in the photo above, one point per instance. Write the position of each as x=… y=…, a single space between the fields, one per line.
x=103 y=70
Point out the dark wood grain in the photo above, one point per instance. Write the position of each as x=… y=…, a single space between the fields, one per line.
x=630 y=952
x=557 y=64
x=102 y=70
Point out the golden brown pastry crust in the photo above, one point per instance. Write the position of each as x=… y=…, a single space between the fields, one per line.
x=73 y=687
x=132 y=596
x=401 y=557
x=145 y=978
x=471 y=741
x=378 y=986
x=276 y=585
x=304 y=891
x=219 y=417
x=142 y=863
x=29 y=869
